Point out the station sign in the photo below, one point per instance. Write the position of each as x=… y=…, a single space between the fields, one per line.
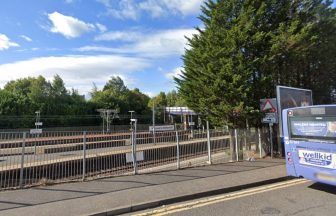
x=162 y=128
x=35 y=131
x=38 y=123
x=139 y=156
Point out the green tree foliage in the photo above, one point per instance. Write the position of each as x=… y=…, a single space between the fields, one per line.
x=115 y=95
x=174 y=99
x=21 y=98
x=248 y=47
x=162 y=100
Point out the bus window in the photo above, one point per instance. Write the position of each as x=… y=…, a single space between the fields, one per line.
x=321 y=128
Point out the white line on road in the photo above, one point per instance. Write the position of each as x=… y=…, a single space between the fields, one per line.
x=230 y=196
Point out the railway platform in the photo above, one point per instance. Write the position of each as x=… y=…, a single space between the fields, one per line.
x=124 y=194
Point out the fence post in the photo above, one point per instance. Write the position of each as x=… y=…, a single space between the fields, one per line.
x=231 y=132
x=236 y=140
x=271 y=137
x=133 y=137
x=259 y=138
x=22 y=159
x=177 y=150
x=208 y=141
x=84 y=155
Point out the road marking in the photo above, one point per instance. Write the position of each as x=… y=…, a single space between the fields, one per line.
x=221 y=198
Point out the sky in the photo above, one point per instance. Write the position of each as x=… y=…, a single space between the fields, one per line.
x=88 y=41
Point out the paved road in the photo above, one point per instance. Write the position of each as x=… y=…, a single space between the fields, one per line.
x=304 y=198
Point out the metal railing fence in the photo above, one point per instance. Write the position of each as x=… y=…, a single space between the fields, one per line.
x=52 y=157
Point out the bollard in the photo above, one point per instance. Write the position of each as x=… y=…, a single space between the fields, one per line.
x=177 y=150
x=236 y=139
x=271 y=137
x=208 y=141
x=22 y=159
x=84 y=155
x=259 y=137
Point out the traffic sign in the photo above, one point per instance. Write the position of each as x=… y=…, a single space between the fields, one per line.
x=269 y=107
x=270 y=118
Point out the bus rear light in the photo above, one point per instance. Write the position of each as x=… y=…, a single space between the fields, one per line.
x=289 y=154
x=290 y=160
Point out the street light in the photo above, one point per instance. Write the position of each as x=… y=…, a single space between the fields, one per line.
x=38 y=117
x=131 y=113
x=106 y=115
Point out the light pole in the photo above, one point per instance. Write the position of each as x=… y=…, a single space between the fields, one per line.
x=154 y=141
x=131 y=113
x=106 y=114
x=131 y=117
x=38 y=116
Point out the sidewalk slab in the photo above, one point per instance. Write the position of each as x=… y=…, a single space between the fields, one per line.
x=118 y=195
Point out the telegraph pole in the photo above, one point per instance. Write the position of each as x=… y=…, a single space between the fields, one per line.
x=154 y=140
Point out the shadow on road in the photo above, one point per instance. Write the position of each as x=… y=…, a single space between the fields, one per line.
x=324 y=187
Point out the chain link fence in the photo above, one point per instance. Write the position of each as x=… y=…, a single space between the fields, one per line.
x=52 y=157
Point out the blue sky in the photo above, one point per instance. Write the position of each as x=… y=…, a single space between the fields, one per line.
x=88 y=41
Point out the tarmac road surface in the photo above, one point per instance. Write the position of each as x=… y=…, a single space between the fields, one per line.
x=294 y=197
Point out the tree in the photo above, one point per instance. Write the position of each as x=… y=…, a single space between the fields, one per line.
x=115 y=84
x=174 y=99
x=115 y=95
x=138 y=101
x=249 y=47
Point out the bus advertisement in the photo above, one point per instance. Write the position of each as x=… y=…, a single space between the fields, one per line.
x=310 y=142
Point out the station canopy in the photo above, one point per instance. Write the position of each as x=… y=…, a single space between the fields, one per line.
x=179 y=111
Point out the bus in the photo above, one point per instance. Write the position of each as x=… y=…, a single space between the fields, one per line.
x=310 y=142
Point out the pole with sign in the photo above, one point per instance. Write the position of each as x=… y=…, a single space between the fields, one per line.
x=269 y=107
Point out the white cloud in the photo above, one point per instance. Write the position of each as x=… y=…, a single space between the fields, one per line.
x=168 y=42
x=101 y=27
x=150 y=94
x=129 y=9
x=151 y=44
x=77 y=71
x=6 y=43
x=177 y=72
x=26 y=38
x=153 y=7
x=105 y=2
x=118 y=36
x=159 y=8
x=98 y=49
x=68 y=26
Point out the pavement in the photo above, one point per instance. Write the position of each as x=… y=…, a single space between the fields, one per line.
x=118 y=195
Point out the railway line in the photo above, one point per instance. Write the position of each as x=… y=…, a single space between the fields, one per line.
x=108 y=154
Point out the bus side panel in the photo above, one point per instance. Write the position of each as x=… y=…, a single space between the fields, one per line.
x=290 y=157
x=290 y=154
x=313 y=172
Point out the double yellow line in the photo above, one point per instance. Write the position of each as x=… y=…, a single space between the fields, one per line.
x=216 y=199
